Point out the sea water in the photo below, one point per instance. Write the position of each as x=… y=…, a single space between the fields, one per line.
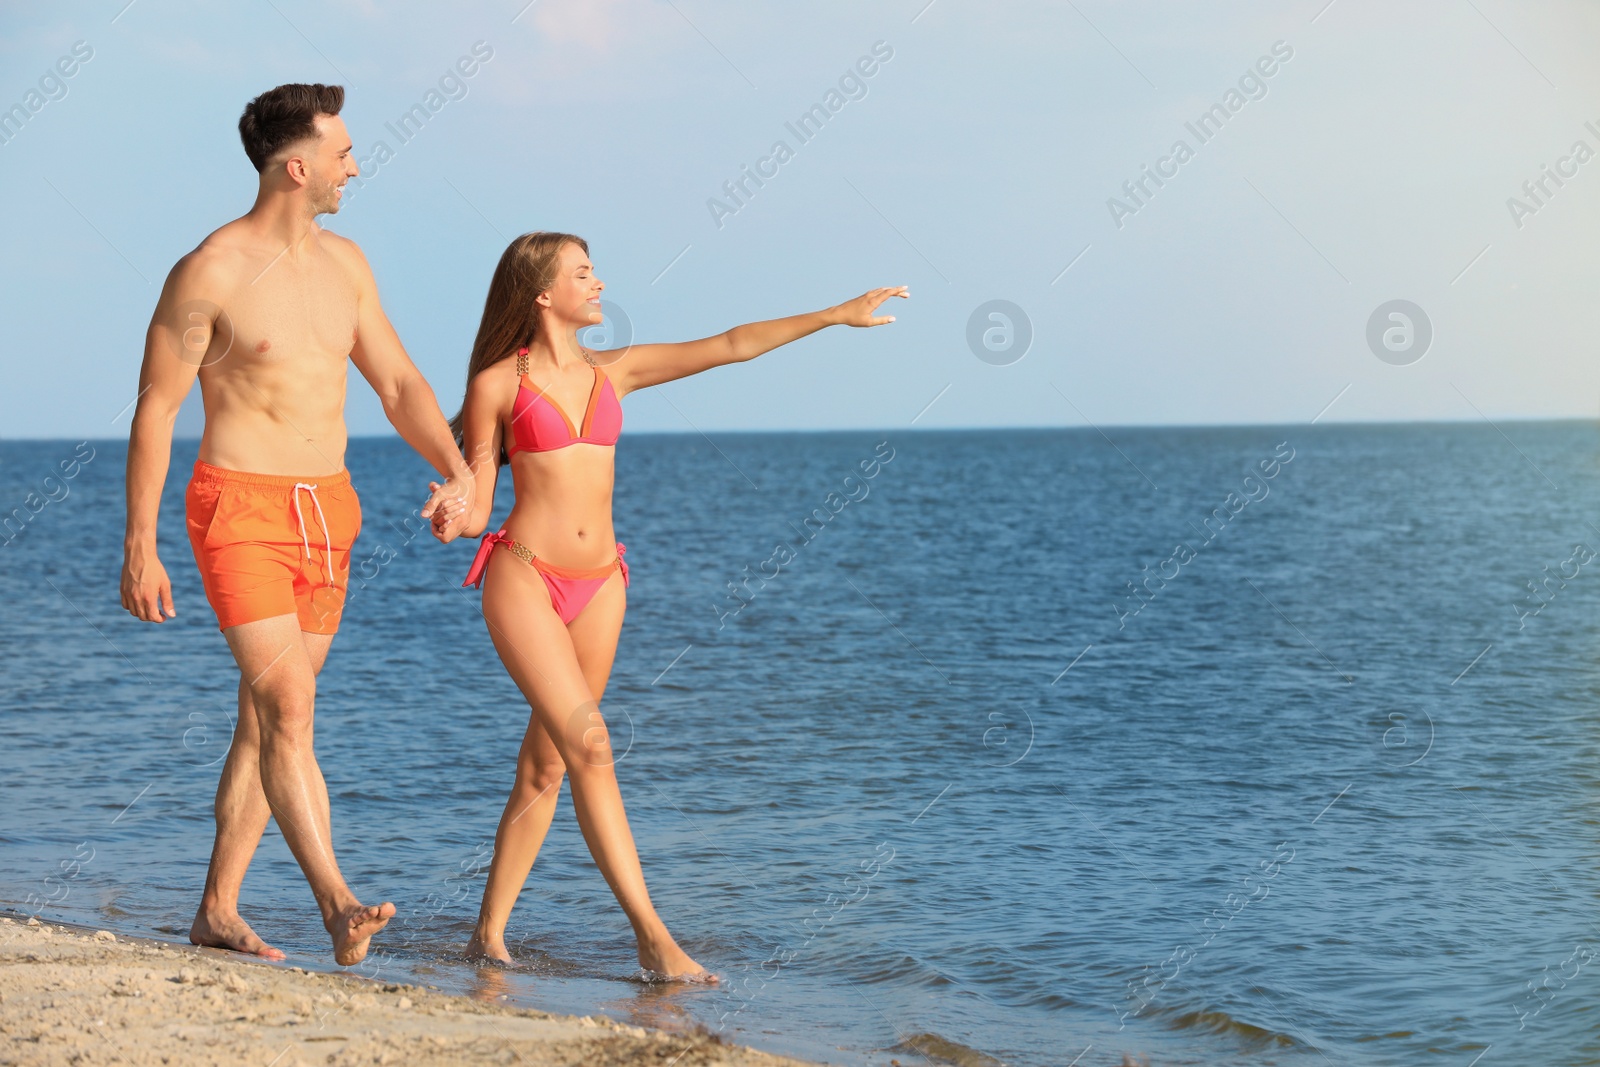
x=1269 y=745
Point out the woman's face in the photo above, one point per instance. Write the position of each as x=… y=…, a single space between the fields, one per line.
x=574 y=299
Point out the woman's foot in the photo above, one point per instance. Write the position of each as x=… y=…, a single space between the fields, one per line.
x=663 y=960
x=486 y=946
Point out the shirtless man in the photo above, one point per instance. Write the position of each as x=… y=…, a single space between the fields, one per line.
x=265 y=313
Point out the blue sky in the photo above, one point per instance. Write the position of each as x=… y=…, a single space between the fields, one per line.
x=978 y=162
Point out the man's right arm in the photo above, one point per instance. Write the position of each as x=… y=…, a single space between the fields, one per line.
x=179 y=338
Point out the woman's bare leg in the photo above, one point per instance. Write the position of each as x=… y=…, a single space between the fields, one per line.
x=543 y=658
x=594 y=640
x=523 y=826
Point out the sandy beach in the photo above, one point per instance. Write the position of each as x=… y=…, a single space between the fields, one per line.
x=72 y=996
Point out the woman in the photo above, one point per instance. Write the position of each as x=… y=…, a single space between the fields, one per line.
x=554 y=596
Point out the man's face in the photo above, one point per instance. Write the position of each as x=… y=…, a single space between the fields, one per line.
x=328 y=163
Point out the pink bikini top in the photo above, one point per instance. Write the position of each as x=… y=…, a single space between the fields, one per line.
x=539 y=425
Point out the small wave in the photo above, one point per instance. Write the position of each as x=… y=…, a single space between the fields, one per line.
x=876 y=967
x=938 y=1048
x=1225 y=1025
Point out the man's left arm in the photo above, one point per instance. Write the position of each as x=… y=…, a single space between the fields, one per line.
x=407 y=399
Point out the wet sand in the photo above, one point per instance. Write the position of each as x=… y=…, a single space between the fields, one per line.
x=71 y=996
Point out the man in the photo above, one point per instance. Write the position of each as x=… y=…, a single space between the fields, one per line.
x=265 y=312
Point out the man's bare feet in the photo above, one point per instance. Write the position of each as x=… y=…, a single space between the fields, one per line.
x=220 y=930
x=488 y=947
x=353 y=927
x=664 y=960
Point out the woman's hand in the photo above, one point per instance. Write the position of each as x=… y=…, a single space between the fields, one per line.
x=859 y=312
x=450 y=513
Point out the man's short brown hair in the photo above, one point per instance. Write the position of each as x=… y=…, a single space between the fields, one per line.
x=284 y=115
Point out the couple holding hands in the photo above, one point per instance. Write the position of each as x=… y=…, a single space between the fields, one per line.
x=266 y=312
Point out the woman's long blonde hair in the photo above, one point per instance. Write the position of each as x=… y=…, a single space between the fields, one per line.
x=510 y=317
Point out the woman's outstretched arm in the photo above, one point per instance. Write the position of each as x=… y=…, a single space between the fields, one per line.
x=645 y=365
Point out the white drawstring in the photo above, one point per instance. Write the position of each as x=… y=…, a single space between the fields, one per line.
x=327 y=550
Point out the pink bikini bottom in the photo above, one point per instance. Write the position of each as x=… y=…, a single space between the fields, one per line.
x=570 y=589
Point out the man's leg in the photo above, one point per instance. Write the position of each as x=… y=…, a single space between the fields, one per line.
x=241 y=813
x=277 y=666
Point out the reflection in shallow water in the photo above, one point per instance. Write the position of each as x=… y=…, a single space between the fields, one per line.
x=489 y=982
x=658 y=1005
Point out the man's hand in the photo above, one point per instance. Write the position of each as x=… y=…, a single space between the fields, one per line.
x=146 y=590
x=450 y=506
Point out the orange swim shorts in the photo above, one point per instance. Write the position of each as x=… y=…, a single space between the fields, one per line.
x=270 y=545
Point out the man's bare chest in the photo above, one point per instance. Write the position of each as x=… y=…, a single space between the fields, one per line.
x=294 y=310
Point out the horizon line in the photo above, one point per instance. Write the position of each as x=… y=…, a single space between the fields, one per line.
x=1092 y=428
